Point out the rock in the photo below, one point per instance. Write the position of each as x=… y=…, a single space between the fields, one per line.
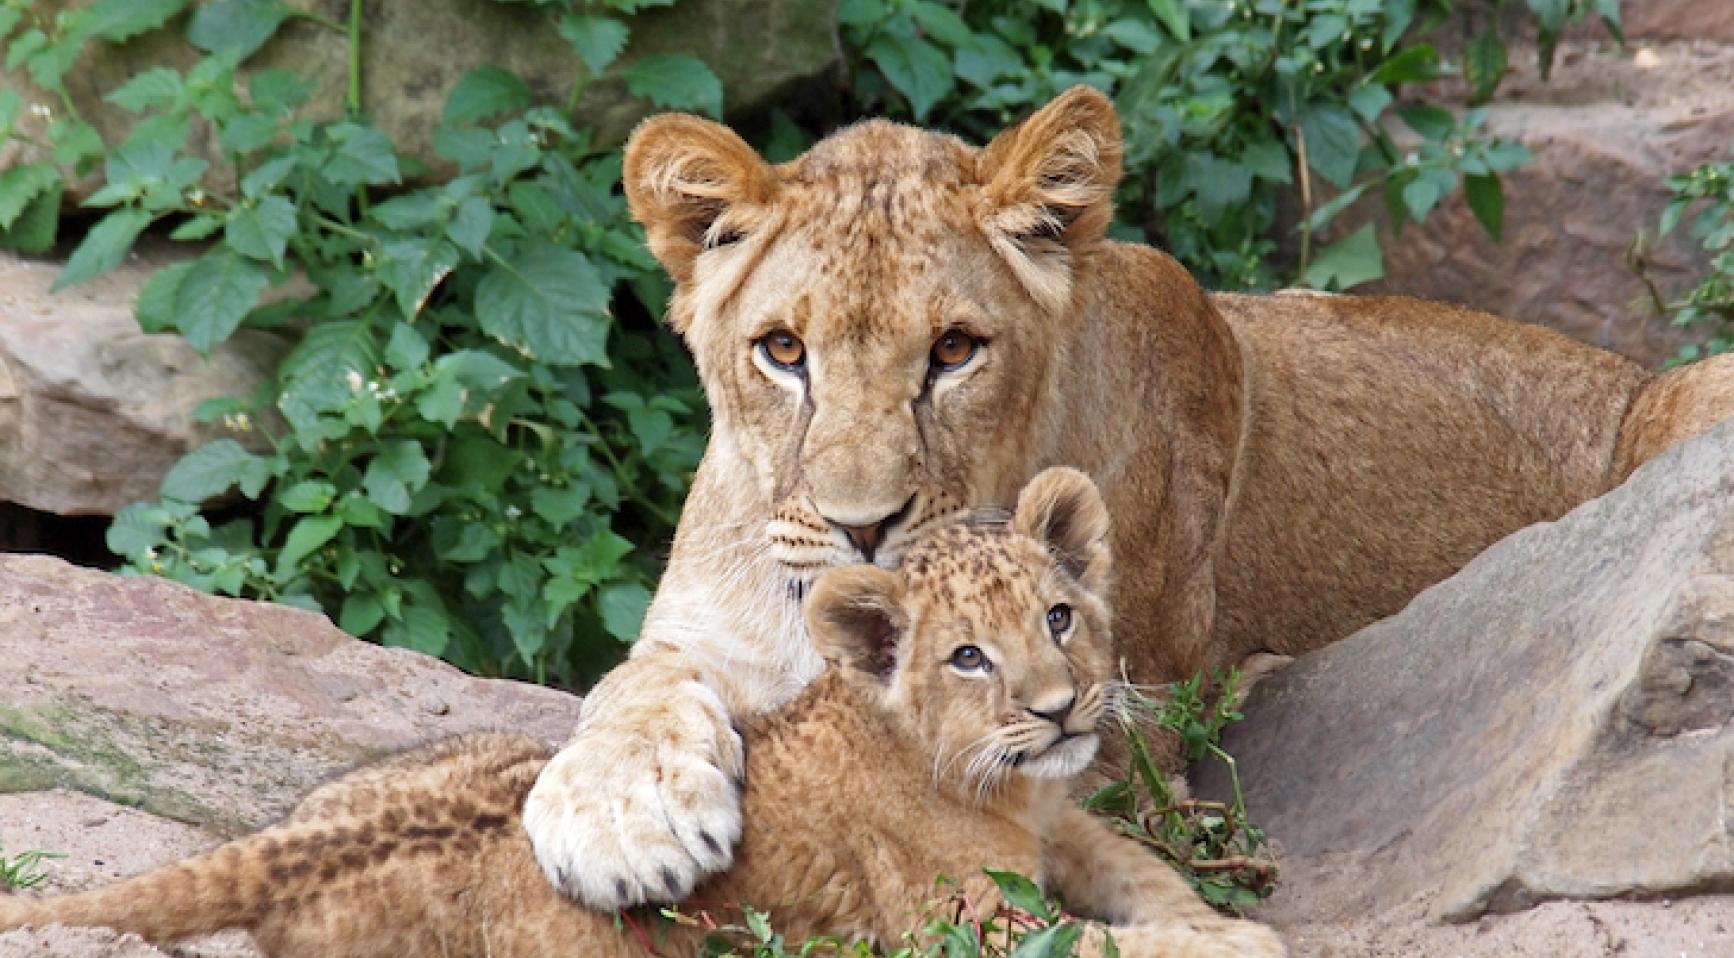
x=93 y=411
x=1605 y=130
x=216 y=712
x=1553 y=722
x=1678 y=20
x=415 y=50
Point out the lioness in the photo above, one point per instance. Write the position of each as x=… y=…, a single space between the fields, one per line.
x=896 y=326
x=968 y=687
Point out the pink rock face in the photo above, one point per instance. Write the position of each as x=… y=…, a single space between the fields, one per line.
x=214 y=711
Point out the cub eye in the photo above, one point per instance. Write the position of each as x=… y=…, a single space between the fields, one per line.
x=953 y=349
x=784 y=349
x=1059 y=620
x=968 y=658
x=724 y=236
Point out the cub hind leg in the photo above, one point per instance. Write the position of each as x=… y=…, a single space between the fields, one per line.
x=1671 y=408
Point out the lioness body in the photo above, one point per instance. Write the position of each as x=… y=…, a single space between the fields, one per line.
x=897 y=325
x=905 y=762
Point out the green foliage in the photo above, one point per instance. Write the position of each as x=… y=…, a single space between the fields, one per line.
x=480 y=438
x=1709 y=190
x=1223 y=854
x=1231 y=110
x=1023 y=925
x=24 y=870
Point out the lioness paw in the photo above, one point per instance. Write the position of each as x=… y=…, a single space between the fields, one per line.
x=640 y=807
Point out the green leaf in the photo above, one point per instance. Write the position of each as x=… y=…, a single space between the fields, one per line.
x=598 y=40
x=622 y=606
x=1328 y=210
x=103 y=247
x=1333 y=141
x=941 y=23
x=236 y=28
x=1487 y=201
x=308 y=534
x=406 y=349
x=1419 y=195
x=1349 y=262
x=279 y=90
x=1484 y=65
x=1134 y=35
x=412 y=269
x=155 y=89
x=424 y=629
x=559 y=505
x=860 y=13
x=1053 y=941
x=307 y=497
x=215 y=468
x=1174 y=17
x=396 y=472
x=19 y=185
x=1021 y=893
x=677 y=81
x=549 y=302
x=362 y=613
x=155 y=307
x=471 y=224
x=484 y=92
x=1434 y=123
x=262 y=230
x=118 y=20
x=136 y=529
x=34 y=229
x=1413 y=65
x=214 y=296
x=915 y=68
x=1268 y=160
x=363 y=155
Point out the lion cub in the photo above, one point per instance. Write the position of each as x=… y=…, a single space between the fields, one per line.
x=965 y=689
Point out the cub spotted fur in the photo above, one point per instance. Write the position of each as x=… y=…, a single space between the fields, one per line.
x=966 y=689
x=898 y=325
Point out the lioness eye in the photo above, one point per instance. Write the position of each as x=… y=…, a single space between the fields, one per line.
x=953 y=349
x=784 y=349
x=968 y=658
x=1059 y=619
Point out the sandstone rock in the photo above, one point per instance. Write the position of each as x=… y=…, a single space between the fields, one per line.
x=213 y=711
x=1553 y=722
x=415 y=50
x=1605 y=130
x=93 y=412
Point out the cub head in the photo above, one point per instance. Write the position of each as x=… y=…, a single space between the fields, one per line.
x=877 y=322
x=991 y=644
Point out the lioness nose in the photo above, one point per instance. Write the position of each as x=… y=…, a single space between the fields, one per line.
x=1056 y=709
x=868 y=536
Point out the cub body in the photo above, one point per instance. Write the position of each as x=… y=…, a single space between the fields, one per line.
x=967 y=689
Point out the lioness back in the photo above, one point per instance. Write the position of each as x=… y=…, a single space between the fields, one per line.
x=1392 y=439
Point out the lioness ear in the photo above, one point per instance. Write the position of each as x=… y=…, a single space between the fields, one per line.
x=1048 y=185
x=855 y=618
x=1061 y=508
x=681 y=173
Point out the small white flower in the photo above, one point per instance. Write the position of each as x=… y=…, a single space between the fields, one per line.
x=355 y=381
x=1411 y=159
x=513 y=512
x=41 y=111
x=1366 y=43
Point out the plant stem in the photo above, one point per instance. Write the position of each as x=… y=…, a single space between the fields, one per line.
x=354 y=98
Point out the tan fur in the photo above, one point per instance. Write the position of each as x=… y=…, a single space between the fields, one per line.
x=1281 y=470
x=892 y=769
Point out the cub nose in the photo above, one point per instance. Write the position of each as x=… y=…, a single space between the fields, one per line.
x=868 y=536
x=1056 y=709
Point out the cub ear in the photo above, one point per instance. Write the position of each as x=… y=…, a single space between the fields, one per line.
x=1061 y=508
x=1049 y=181
x=855 y=618
x=681 y=173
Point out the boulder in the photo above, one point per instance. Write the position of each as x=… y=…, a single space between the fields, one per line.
x=93 y=411
x=415 y=50
x=216 y=712
x=1556 y=721
x=1605 y=129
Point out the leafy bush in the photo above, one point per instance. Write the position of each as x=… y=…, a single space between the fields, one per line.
x=1231 y=109
x=479 y=418
x=1709 y=189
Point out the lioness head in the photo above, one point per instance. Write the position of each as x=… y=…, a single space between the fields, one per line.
x=876 y=320
x=991 y=643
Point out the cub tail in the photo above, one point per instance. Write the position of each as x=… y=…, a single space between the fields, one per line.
x=233 y=886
